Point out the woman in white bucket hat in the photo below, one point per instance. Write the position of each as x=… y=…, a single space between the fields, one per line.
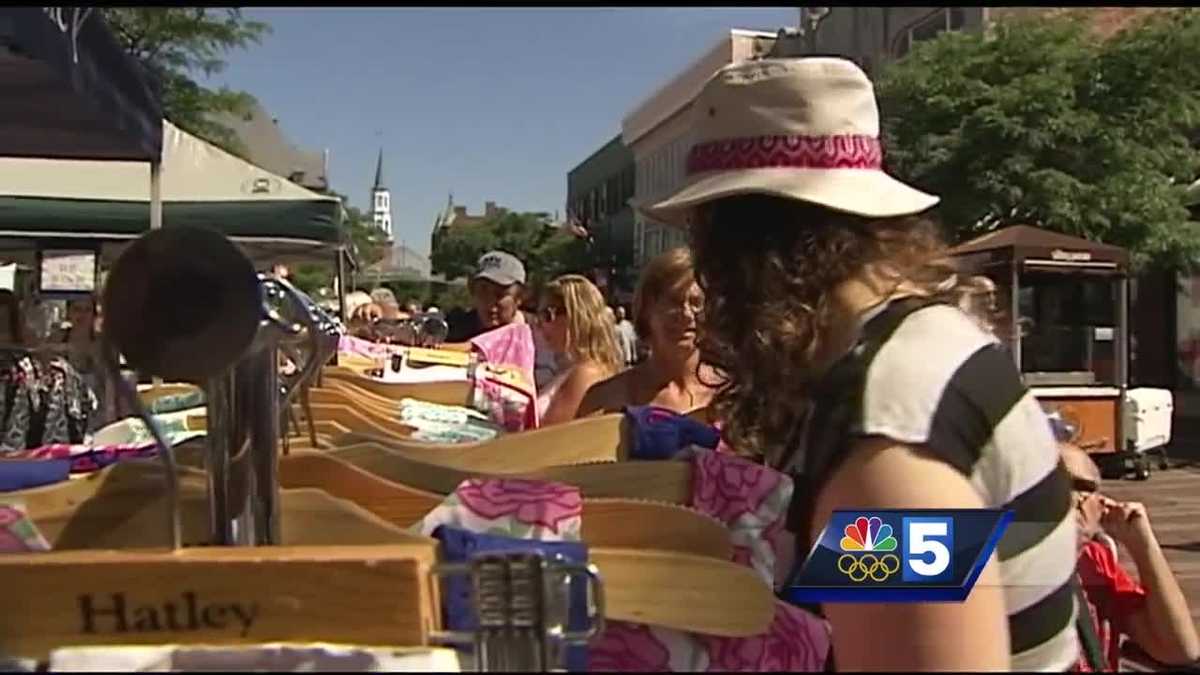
x=830 y=309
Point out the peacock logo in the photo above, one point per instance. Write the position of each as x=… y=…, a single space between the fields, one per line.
x=864 y=538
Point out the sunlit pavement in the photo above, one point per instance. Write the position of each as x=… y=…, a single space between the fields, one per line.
x=1172 y=498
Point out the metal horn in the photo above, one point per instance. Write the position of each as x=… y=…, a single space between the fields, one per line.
x=183 y=303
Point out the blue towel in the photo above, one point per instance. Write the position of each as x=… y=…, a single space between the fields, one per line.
x=458 y=545
x=19 y=474
x=659 y=433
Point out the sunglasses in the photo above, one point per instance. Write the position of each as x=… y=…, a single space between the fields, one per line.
x=1084 y=485
x=548 y=314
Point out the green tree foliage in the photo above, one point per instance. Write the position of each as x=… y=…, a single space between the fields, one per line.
x=367 y=244
x=1041 y=122
x=178 y=43
x=546 y=250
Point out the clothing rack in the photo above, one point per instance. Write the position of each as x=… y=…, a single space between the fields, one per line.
x=372 y=594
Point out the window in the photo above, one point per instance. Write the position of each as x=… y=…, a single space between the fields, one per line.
x=951 y=18
x=929 y=28
x=1068 y=324
x=958 y=18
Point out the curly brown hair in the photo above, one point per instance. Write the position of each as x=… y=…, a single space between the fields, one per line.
x=768 y=267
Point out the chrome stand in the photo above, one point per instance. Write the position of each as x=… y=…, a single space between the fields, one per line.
x=522 y=601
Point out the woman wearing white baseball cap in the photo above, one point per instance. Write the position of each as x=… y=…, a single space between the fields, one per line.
x=830 y=309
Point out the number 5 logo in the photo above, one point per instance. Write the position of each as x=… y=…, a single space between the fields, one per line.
x=928 y=549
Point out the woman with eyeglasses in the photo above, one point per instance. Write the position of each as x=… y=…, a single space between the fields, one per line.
x=666 y=306
x=575 y=325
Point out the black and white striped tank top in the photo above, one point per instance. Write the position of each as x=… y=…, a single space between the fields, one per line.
x=924 y=373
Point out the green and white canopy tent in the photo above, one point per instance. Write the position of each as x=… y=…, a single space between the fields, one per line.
x=271 y=218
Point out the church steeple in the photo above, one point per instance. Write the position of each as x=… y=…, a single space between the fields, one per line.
x=381 y=200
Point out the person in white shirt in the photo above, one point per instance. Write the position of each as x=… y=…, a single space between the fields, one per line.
x=626 y=337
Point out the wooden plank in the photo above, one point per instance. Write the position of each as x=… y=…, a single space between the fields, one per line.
x=349 y=594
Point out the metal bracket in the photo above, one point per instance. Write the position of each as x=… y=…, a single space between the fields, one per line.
x=522 y=602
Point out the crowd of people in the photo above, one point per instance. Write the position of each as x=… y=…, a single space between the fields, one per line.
x=816 y=317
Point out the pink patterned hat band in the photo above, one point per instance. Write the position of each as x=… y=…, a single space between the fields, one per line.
x=848 y=151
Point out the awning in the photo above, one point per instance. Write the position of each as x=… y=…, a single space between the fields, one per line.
x=1033 y=246
x=70 y=91
x=201 y=185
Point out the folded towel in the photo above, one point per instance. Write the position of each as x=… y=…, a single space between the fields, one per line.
x=659 y=433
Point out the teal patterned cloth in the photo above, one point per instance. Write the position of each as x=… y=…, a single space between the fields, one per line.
x=131 y=430
x=436 y=423
x=177 y=402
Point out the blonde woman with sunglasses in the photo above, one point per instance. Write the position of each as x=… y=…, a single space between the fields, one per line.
x=575 y=325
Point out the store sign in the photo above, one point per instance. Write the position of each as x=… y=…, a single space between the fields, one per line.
x=67 y=271
x=1070 y=256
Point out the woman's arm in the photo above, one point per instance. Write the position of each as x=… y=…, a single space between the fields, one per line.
x=930 y=636
x=566 y=401
x=1162 y=625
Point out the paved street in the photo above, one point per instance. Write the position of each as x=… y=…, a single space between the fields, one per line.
x=1172 y=498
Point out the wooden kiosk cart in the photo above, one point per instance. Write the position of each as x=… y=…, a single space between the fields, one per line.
x=1067 y=326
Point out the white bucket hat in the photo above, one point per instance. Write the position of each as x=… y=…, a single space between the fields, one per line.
x=805 y=129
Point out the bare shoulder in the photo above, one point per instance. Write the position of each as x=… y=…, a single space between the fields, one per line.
x=608 y=395
x=585 y=375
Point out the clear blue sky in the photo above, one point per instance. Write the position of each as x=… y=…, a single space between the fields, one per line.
x=492 y=104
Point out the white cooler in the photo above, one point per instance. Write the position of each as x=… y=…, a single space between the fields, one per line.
x=1147 y=418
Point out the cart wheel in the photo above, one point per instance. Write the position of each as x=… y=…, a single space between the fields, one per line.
x=1163 y=464
x=1142 y=470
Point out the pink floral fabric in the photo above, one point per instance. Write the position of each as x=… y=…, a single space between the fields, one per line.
x=18 y=534
x=796 y=642
x=751 y=500
x=531 y=502
x=361 y=347
x=86 y=459
x=504 y=388
x=631 y=648
x=506 y=400
x=525 y=509
x=510 y=345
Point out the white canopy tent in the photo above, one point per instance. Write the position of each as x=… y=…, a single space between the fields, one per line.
x=273 y=219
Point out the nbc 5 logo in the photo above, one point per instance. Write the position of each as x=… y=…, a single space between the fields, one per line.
x=928 y=553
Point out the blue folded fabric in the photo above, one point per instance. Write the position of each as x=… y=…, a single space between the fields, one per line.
x=659 y=433
x=19 y=474
x=458 y=545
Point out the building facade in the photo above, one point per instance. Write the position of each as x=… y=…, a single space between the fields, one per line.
x=599 y=192
x=456 y=215
x=381 y=201
x=656 y=134
x=873 y=36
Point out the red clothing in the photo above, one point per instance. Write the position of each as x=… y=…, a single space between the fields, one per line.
x=1113 y=596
